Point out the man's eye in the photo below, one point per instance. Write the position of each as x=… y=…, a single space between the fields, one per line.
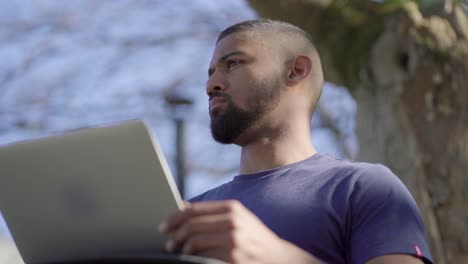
x=232 y=63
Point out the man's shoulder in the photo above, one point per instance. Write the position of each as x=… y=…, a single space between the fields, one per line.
x=318 y=169
x=347 y=177
x=345 y=168
x=371 y=175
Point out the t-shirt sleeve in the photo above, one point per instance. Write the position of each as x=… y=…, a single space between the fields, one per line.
x=384 y=218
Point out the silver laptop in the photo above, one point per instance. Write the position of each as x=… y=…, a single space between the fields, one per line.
x=87 y=194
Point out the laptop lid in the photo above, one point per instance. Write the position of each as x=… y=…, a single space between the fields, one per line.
x=85 y=194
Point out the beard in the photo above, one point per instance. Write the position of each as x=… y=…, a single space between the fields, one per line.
x=228 y=125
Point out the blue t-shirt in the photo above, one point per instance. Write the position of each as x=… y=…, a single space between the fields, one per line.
x=340 y=211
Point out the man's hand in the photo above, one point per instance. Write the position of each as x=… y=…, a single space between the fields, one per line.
x=226 y=230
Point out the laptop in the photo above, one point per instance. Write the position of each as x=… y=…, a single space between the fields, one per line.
x=87 y=194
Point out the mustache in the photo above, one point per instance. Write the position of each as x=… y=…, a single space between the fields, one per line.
x=220 y=94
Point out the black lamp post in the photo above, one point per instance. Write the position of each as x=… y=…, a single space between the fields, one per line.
x=179 y=104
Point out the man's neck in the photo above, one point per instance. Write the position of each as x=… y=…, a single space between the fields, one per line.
x=267 y=152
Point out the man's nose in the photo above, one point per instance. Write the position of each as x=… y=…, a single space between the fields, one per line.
x=214 y=84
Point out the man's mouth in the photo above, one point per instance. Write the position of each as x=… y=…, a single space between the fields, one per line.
x=216 y=102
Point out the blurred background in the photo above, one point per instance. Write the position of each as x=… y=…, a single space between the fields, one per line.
x=396 y=91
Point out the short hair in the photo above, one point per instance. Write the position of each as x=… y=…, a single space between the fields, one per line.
x=265 y=25
x=273 y=27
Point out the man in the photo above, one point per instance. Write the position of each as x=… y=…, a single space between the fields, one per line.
x=289 y=203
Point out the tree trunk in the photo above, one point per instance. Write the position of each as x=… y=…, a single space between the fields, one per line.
x=408 y=72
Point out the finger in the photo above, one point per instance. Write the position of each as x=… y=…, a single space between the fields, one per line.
x=219 y=223
x=217 y=253
x=211 y=241
x=163 y=226
x=197 y=209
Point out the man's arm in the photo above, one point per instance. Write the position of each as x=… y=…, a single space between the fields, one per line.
x=226 y=230
x=386 y=226
x=395 y=258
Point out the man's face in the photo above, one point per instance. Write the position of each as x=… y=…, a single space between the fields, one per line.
x=244 y=84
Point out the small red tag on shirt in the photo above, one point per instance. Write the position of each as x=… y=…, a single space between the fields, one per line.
x=418 y=250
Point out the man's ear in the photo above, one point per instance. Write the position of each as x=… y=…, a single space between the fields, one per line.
x=299 y=70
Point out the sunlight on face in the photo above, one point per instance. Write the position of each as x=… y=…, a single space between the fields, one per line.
x=248 y=96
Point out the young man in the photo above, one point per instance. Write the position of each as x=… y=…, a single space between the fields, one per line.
x=289 y=203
